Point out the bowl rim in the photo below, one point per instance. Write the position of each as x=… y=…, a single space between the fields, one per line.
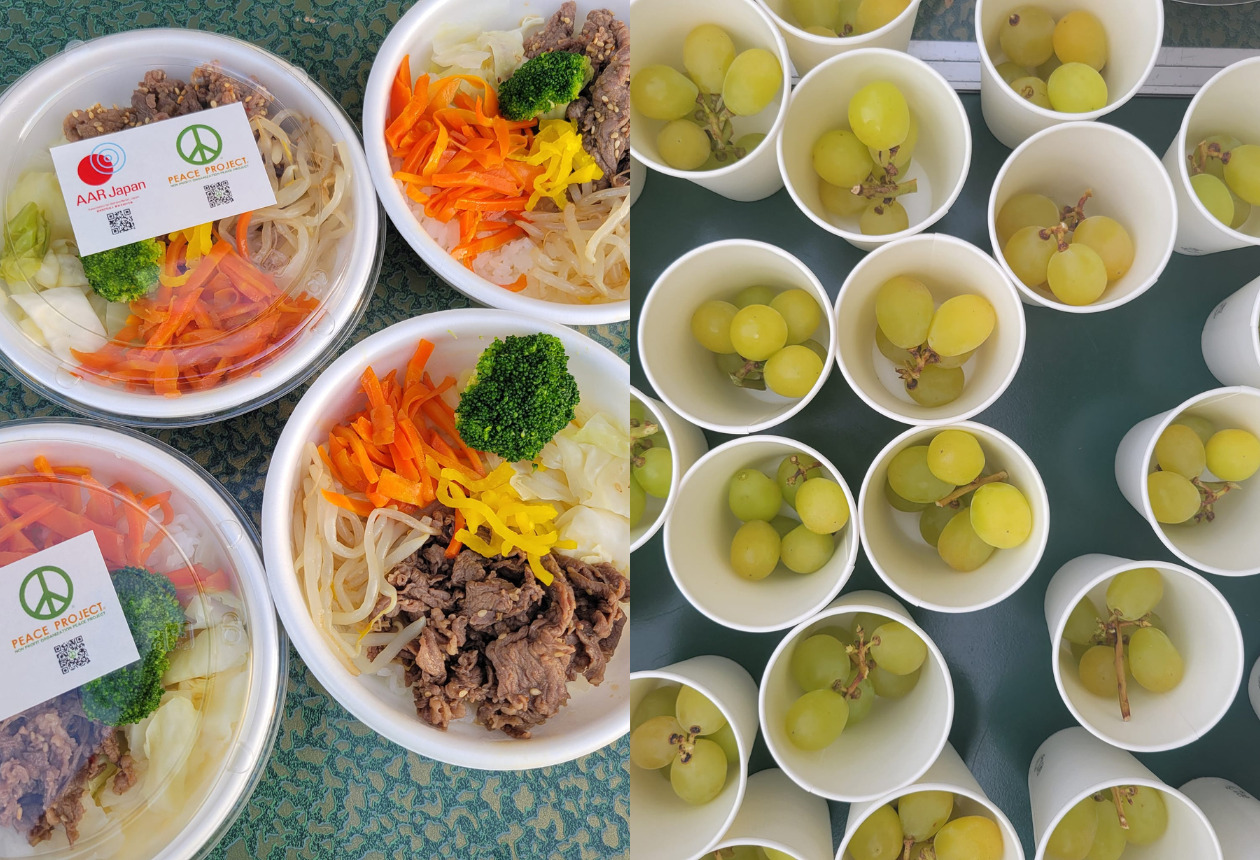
x=832 y=41
x=675 y=475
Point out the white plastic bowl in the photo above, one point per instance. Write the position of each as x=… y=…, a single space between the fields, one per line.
x=413 y=35
x=594 y=716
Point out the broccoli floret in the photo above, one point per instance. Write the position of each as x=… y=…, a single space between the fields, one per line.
x=520 y=396
x=546 y=82
x=126 y=273
x=156 y=619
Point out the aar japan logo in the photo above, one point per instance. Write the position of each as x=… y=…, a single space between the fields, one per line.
x=100 y=165
x=46 y=592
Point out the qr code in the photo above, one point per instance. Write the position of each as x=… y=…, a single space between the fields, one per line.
x=218 y=193
x=120 y=221
x=72 y=655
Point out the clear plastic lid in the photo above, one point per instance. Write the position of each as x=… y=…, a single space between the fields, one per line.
x=109 y=540
x=243 y=264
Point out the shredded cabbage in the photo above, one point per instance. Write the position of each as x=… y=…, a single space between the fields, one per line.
x=65 y=318
x=489 y=54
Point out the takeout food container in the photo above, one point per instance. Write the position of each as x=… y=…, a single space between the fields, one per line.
x=1231 y=338
x=413 y=35
x=686 y=445
x=809 y=49
x=1233 y=813
x=778 y=814
x=107 y=70
x=226 y=681
x=595 y=715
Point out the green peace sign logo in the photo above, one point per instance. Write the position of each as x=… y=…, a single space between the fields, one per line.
x=46 y=593
x=199 y=144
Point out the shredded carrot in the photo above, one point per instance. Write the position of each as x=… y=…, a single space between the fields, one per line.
x=453 y=548
x=242 y=234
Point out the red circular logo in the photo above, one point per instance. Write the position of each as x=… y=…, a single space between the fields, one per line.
x=96 y=169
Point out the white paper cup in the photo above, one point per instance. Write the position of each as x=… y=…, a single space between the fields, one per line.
x=1073 y=764
x=1129 y=185
x=698 y=535
x=638 y=176
x=660 y=26
x=1200 y=623
x=777 y=813
x=809 y=49
x=914 y=569
x=885 y=752
x=1253 y=688
x=949 y=267
x=947 y=773
x=1135 y=32
x=1230 y=544
x=682 y=372
x=1233 y=813
x=663 y=826
x=686 y=444
x=1231 y=338
x=1217 y=108
x=941 y=158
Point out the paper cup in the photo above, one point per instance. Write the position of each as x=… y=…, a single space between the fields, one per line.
x=698 y=535
x=914 y=569
x=941 y=158
x=949 y=267
x=1231 y=338
x=664 y=827
x=1129 y=185
x=1230 y=544
x=947 y=773
x=1215 y=109
x=1073 y=764
x=660 y=26
x=1233 y=813
x=638 y=175
x=686 y=444
x=1253 y=688
x=779 y=814
x=809 y=49
x=682 y=372
x=1135 y=32
x=1200 y=623
x=885 y=752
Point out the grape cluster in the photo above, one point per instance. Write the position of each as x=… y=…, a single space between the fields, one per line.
x=930 y=344
x=843 y=671
x=699 y=108
x=764 y=339
x=651 y=462
x=678 y=728
x=766 y=537
x=836 y=18
x=861 y=167
x=963 y=512
x=1101 y=826
x=1076 y=256
x=1055 y=64
x=922 y=826
x=1225 y=176
x=1195 y=466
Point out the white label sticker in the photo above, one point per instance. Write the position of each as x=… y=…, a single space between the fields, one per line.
x=169 y=175
x=61 y=624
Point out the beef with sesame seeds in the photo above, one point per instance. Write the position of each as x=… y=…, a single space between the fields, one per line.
x=556 y=34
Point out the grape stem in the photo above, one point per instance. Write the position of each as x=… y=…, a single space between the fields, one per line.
x=797 y=472
x=1211 y=493
x=974 y=485
x=886 y=190
x=1113 y=636
x=640 y=429
x=863 y=665
x=1072 y=216
x=1117 y=793
x=922 y=356
x=715 y=118
x=1197 y=161
x=1060 y=235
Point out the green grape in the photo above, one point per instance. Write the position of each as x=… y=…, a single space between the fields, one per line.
x=1076 y=88
x=873 y=14
x=924 y=813
x=1173 y=498
x=697 y=714
x=815 y=13
x=1097 y=670
x=1214 y=195
x=758 y=332
x=1074 y=834
x=879 y=837
x=805 y=551
x=661 y=702
x=1233 y=455
x=938 y=386
x=883 y=218
x=1028 y=254
x=755 y=550
x=822 y=505
x=662 y=92
x=955 y=456
x=771 y=854
x=1134 y=593
x=846 y=19
x=888 y=349
x=1109 y=840
x=817 y=349
x=869 y=622
x=822 y=31
x=707 y=54
x=655 y=472
x=758 y=294
x=1001 y=515
x=890 y=686
x=899 y=649
x=960 y=547
x=800 y=311
x=1202 y=427
x=793 y=371
x=972 y=837
x=1112 y=242
x=961 y=324
x=783 y=524
x=816 y=719
x=819 y=661
x=841 y=159
x=1046 y=69
x=1147 y=815
x=736 y=368
x=1154 y=660
x=795 y=470
x=933 y=521
x=1242 y=174
x=749 y=142
x=1027 y=36
x=904 y=311
x=752 y=81
x=1077 y=276
x=1011 y=72
x=1082 y=623
x=1079 y=37
x=840 y=201
x=1242 y=211
x=911 y=478
x=699 y=778
x=879 y=115
x=1025 y=210
x=862 y=701
x=725 y=738
x=654 y=743
x=683 y=145
x=1033 y=89
x=899 y=155
x=753 y=496
x=903 y=505
x=711 y=326
x=638 y=502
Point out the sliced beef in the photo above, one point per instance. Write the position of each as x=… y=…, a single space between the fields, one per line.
x=603 y=110
x=556 y=34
